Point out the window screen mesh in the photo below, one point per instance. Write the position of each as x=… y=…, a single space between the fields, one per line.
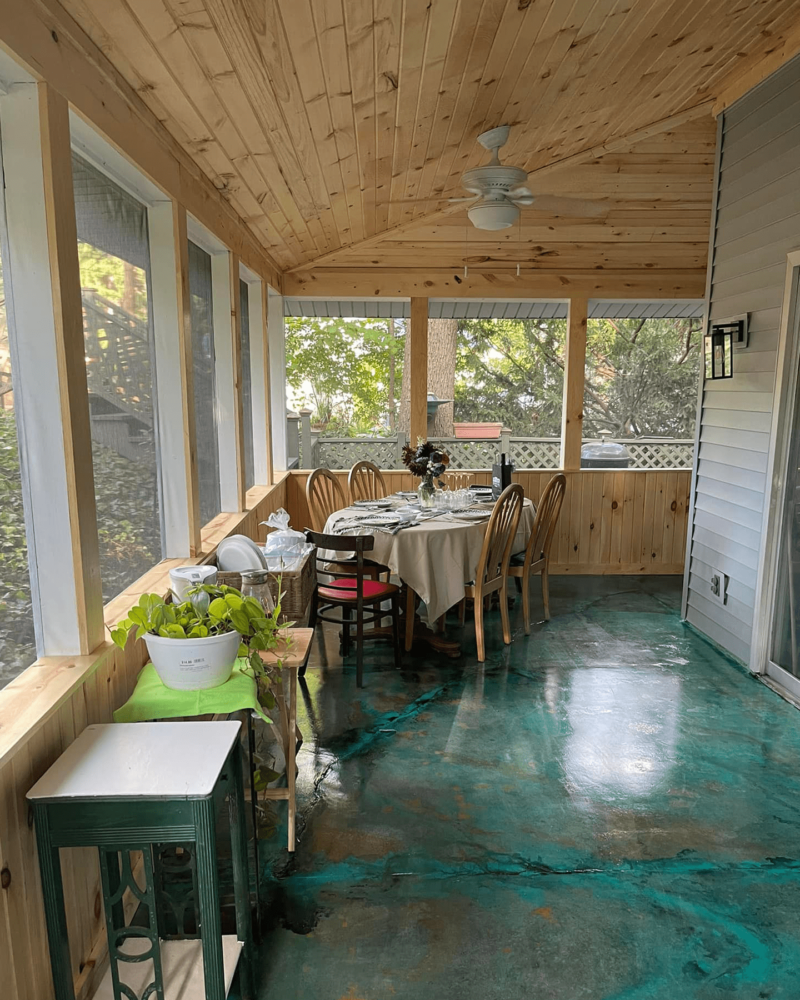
x=114 y=269
x=205 y=406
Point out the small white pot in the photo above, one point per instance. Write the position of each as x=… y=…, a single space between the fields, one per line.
x=193 y=664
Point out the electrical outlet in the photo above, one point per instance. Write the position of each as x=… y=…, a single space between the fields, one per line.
x=719 y=587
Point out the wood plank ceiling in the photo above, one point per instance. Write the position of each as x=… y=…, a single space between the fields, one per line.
x=315 y=117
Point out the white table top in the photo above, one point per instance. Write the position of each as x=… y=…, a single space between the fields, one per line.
x=140 y=760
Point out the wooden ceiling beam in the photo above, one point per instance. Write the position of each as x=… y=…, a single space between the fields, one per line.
x=369 y=282
x=593 y=152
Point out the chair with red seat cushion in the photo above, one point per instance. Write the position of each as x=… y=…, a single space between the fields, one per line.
x=352 y=592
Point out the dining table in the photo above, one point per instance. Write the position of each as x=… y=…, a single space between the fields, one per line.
x=433 y=552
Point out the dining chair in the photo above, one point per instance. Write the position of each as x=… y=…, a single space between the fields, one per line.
x=492 y=572
x=536 y=557
x=352 y=592
x=324 y=496
x=365 y=482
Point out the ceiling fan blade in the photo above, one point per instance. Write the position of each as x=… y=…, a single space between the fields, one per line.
x=472 y=197
x=556 y=205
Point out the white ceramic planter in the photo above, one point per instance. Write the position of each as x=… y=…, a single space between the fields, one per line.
x=193 y=664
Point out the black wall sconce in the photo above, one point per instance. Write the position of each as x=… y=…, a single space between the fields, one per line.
x=719 y=344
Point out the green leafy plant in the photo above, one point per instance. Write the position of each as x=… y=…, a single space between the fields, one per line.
x=211 y=610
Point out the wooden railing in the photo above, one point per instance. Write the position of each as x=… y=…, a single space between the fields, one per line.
x=612 y=521
x=41 y=713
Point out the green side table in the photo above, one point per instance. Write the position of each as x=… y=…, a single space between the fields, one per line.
x=128 y=787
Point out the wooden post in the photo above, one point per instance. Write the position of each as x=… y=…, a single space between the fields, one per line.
x=574 y=376
x=418 y=332
x=187 y=376
x=62 y=238
x=228 y=379
x=266 y=427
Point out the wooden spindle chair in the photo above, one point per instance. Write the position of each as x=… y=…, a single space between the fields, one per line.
x=492 y=572
x=324 y=496
x=352 y=591
x=365 y=482
x=536 y=558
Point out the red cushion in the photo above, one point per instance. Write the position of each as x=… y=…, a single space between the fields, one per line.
x=336 y=590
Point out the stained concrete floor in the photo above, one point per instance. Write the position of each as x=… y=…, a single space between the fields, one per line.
x=607 y=809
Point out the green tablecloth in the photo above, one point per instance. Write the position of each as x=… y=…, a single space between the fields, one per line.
x=152 y=700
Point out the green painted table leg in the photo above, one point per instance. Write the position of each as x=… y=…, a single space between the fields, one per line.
x=54 y=913
x=241 y=880
x=208 y=898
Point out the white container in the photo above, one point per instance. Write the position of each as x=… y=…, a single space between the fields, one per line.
x=183 y=578
x=193 y=664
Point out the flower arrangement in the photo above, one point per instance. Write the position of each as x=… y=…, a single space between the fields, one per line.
x=428 y=462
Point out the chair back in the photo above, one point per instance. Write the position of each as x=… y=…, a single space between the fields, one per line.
x=544 y=524
x=324 y=496
x=500 y=533
x=365 y=482
x=353 y=545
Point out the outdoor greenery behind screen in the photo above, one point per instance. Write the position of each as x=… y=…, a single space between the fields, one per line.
x=641 y=375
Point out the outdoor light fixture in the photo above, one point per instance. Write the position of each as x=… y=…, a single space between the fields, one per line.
x=719 y=348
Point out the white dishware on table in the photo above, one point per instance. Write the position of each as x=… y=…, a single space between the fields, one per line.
x=238 y=552
x=183 y=578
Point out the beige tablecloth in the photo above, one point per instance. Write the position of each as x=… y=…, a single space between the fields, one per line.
x=436 y=558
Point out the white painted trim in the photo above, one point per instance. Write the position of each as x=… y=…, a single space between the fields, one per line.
x=701 y=374
x=257 y=387
x=94 y=148
x=165 y=294
x=224 y=382
x=203 y=237
x=786 y=389
x=277 y=380
x=35 y=371
x=782 y=679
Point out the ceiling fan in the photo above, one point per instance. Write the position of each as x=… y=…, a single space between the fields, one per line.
x=498 y=191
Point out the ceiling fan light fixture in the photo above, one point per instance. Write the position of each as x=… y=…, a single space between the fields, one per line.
x=493 y=215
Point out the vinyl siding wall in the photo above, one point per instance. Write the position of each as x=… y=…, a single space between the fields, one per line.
x=757 y=224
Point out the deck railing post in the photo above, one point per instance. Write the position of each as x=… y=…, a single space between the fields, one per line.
x=307 y=457
x=574 y=375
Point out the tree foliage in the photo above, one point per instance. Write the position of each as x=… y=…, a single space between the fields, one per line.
x=641 y=377
x=340 y=369
x=511 y=371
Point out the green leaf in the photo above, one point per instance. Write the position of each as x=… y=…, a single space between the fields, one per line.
x=240 y=621
x=233 y=601
x=119 y=636
x=218 y=608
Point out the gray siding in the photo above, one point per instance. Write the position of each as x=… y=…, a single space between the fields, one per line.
x=757 y=224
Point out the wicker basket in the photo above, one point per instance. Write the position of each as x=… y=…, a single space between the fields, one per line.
x=297 y=586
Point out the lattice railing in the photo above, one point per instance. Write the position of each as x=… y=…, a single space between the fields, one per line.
x=475 y=453
x=646 y=454
x=343 y=453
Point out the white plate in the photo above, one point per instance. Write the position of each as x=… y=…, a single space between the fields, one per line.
x=238 y=553
x=472 y=515
x=369 y=504
x=380 y=521
x=406 y=493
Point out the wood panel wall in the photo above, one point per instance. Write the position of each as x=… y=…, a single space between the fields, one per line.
x=79 y=691
x=611 y=522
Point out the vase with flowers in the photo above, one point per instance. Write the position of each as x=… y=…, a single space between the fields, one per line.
x=429 y=462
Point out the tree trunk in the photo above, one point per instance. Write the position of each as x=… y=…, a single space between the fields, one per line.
x=392 y=401
x=442 y=335
x=442 y=373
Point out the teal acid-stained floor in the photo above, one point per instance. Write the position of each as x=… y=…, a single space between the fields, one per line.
x=608 y=809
